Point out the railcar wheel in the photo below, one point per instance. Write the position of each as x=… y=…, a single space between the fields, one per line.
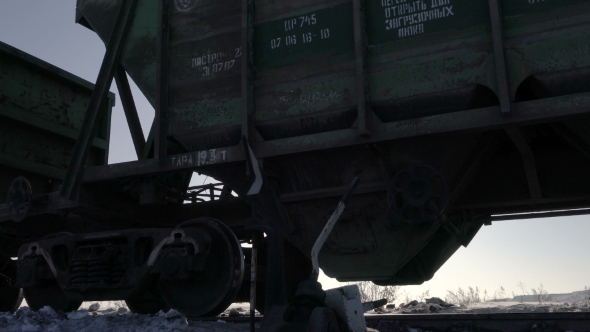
x=210 y=292
x=50 y=295
x=10 y=297
x=147 y=302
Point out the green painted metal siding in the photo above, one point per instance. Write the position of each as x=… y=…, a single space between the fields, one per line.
x=391 y=20
x=419 y=54
x=296 y=38
x=41 y=112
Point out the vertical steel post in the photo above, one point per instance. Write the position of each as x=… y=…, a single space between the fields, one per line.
x=246 y=68
x=212 y=192
x=162 y=79
x=276 y=284
x=358 y=16
x=98 y=99
x=500 y=56
x=253 y=278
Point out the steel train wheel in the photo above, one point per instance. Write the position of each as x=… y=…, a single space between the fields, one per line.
x=210 y=292
x=10 y=297
x=50 y=295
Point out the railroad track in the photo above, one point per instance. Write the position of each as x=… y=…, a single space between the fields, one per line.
x=530 y=322
x=494 y=322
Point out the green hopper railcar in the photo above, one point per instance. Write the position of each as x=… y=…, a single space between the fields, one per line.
x=452 y=113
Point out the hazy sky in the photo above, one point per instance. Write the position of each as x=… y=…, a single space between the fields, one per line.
x=554 y=252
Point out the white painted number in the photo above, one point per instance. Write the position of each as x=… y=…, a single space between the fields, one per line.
x=302 y=22
x=199 y=158
x=218 y=67
x=275 y=43
x=307 y=20
x=202 y=157
x=291 y=40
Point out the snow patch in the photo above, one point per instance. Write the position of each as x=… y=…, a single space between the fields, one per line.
x=107 y=320
x=79 y=314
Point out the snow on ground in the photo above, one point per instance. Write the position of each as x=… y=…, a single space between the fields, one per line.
x=109 y=316
x=492 y=307
x=114 y=316
x=580 y=303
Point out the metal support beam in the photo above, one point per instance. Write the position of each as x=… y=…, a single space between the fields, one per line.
x=253 y=279
x=575 y=135
x=477 y=120
x=364 y=188
x=528 y=159
x=98 y=99
x=246 y=66
x=358 y=16
x=516 y=206
x=130 y=111
x=482 y=153
x=500 y=56
x=40 y=123
x=162 y=83
x=32 y=166
x=149 y=142
x=548 y=214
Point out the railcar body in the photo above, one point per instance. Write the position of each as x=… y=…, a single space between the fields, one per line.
x=451 y=112
x=41 y=112
x=331 y=89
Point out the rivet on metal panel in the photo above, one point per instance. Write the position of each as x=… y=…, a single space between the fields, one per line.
x=500 y=56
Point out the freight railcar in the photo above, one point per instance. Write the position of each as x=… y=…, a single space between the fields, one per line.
x=453 y=113
x=41 y=112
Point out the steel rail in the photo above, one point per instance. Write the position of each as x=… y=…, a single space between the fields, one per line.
x=563 y=321
x=534 y=321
